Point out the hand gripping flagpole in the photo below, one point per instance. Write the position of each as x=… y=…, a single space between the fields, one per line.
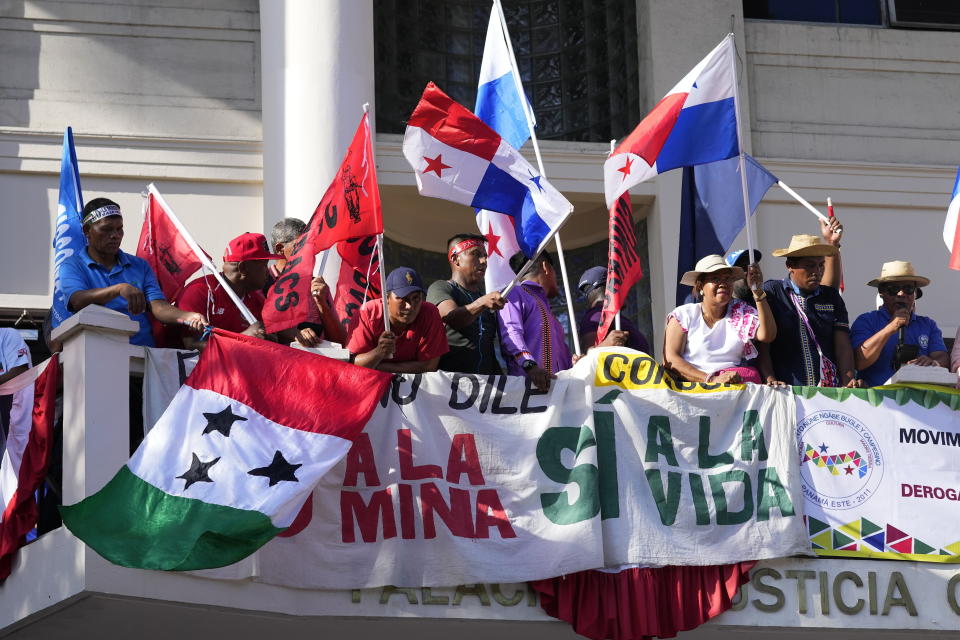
x=201 y=256
x=536 y=150
x=743 y=169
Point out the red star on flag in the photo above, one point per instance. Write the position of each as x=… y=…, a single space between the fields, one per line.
x=436 y=165
x=625 y=169
x=492 y=240
x=849 y=470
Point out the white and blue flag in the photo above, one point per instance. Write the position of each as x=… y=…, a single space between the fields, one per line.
x=501 y=106
x=68 y=236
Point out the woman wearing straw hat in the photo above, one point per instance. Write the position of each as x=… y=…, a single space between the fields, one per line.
x=707 y=341
x=875 y=334
x=812 y=346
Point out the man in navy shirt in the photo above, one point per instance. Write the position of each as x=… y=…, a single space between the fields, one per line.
x=103 y=274
x=812 y=346
x=875 y=334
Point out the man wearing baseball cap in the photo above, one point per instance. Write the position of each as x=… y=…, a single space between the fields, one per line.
x=416 y=338
x=875 y=334
x=812 y=346
x=245 y=271
x=102 y=274
x=593 y=285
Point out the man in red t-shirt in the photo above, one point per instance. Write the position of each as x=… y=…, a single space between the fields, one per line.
x=245 y=270
x=417 y=337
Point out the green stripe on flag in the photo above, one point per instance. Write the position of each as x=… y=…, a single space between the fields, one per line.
x=134 y=524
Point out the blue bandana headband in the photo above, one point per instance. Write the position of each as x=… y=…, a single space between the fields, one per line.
x=100 y=213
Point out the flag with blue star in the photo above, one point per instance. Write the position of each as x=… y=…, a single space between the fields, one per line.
x=232 y=460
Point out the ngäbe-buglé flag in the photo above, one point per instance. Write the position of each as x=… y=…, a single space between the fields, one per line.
x=695 y=123
x=711 y=209
x=951 y=226
x=68 y=238
x=623 y=263
x=233 y=458
x=458 y=157
x=501 y=106
x=350 y=208
x=26 y=455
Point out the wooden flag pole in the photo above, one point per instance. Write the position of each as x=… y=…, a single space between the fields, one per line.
x=383 y=284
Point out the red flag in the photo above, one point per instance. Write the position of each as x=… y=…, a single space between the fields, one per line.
x=831 y=214
x=27 y=454
x=349 y=209
x=359 y=278
x=623 y=263
x=165 y=250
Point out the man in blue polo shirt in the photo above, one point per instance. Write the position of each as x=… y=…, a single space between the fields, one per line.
x=103 y=274
x=812 y=347
x=875 y=334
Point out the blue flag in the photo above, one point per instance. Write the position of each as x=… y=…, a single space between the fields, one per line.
x=68 y=236
x=711 y=209
x=500 y=105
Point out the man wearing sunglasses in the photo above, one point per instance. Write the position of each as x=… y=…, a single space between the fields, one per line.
x=875 y=334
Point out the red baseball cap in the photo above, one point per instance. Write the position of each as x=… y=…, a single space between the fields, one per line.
x=249 y=246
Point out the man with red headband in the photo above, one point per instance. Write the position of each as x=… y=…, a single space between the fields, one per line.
x=245 y=271
x=467 y=312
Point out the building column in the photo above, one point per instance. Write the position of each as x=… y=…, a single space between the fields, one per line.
x=96 y=397
x=316 y=73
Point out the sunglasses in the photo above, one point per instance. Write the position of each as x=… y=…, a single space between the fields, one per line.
x=894 y=289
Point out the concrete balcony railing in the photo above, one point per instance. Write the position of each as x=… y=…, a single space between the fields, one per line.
x=59 y=588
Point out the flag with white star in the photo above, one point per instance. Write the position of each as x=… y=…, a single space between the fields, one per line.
x=695 y=123
x=457 y=157
x=233 y=458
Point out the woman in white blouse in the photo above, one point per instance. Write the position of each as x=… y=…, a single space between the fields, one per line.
x=708 y=341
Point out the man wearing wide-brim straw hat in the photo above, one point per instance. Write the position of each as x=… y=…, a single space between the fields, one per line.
x=812 y=346
x=875 y=334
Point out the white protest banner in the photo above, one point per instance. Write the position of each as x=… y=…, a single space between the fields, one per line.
x=466 y=479
x=879 y=472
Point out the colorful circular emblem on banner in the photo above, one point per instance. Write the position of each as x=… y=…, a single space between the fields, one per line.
x=840 y=460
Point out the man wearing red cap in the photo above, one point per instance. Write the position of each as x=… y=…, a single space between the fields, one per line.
x=245 y=270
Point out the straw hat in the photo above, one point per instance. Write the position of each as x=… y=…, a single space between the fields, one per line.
x=898 y=271
x=709 y=264
x=804 y=246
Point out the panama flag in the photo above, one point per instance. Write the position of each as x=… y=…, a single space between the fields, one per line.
x=694 y=123
x=459 y=158
x=26 y=454
x=68 y=236
x=232 y=459
x=951 y=226
x=501 y=106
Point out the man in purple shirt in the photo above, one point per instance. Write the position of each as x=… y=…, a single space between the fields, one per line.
x=533 y=339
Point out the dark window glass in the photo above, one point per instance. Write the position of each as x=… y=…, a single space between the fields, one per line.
x=927 y=13
x=843 y=11
x=577 y=59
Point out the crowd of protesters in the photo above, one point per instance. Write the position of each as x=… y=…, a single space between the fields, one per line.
x=736 y=328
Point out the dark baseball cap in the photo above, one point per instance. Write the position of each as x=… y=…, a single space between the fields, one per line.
x=403 y=281
x=591 y=279
x=741 y=258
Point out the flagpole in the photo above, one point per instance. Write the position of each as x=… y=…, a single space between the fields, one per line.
x=383 y=278
x=201 y=256
x=743 y=168
x=383 y=284
x=616 y=318
x=536 y=150
x=796 y=196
